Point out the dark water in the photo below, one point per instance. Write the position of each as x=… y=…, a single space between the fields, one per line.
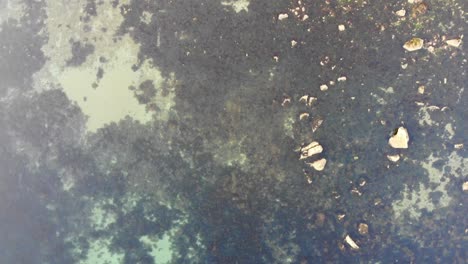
x=171 y=131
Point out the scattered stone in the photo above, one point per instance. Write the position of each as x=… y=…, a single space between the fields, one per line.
x=458 y=146
x=400 y=139
x=454 y=42
x=318 y=165
x=341 y=27
x=465 y=186
x=363 y=229
x=419 y=9
x=308 y=100
x=421 y=89
x=351 y=242
x=340 y=217
x=393 y=158
x=362 y=181
x=282 y=16
x=316 y=124
x=286 y=101
x=310 y=150
x=341 y=79
x=293 y=43
x=401 y=13
x=414 y=44
x=445 y=108
x=323 y=87
x=276 y=58
x=356 y=191
x=303 y=116
x=377 y=201
x=342 y=247
x=433 y=108
x=311 y=101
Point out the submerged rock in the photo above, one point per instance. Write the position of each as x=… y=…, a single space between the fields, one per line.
x=400 y=139
x=318 y=165
x=393 y=158
x=351 y=242
x=363 y=229
x=310 y=150
x=454 y=42
x=414 y=44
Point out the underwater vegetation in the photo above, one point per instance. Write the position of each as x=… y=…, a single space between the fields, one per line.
x=233 y=131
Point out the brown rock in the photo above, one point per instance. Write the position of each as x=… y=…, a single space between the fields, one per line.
x=363 y=229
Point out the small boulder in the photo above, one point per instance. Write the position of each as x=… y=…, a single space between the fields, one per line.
x=400 y=139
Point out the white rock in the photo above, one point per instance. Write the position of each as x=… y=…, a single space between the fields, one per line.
x=282 y=16
x=323 y=87
x=341 y=27
x=454 y=42
x=351 y=242
x=310 y=150
x=303 y=116
x=400 y=139
x=458 y=146
x=465 y=186
x=304 y=98
x=318 y=165
x=293 y=43
x=311 y=100
x=393 y=158
x=421 y=89
x=400 y=13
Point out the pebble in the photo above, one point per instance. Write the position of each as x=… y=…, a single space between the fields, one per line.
x=293 y=43
x=282 y=16
x=458 y=146
x=323 y=87
x=363 y=229
x=421 y=89
x=303 y=116
x=400 y=13
x=341 y=79
x=393 y=158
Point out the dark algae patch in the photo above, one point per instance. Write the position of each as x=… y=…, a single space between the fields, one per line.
x=79 y=53
x=279 y=144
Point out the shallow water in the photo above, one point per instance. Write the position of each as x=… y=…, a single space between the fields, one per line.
x=177 y=131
